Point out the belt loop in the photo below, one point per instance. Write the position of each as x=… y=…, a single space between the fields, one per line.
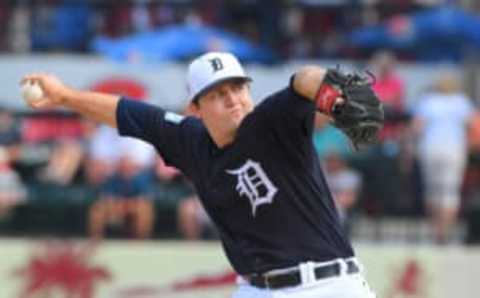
x=306 y=272
x=303 y=272
x=361 y=268
x=267 y=284
x=311 y=271
x=343 y=267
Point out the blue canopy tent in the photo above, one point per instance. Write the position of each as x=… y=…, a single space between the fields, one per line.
x=180 y=42
x=441 y=33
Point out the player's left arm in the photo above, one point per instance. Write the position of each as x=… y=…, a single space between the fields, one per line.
x=347 y=98
x=307 y=81
x=312 y=82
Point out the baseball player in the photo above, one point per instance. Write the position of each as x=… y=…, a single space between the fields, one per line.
x=255 y=168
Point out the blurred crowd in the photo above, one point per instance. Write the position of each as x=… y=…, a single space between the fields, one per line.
x=293 y=28
x=425 y=165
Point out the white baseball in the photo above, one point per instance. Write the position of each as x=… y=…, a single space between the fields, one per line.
x=31 y=91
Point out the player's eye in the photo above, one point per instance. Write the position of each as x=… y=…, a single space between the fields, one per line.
x=212 y=95
x=238 y=86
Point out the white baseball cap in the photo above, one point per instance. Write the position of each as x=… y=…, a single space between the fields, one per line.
x=211 y=69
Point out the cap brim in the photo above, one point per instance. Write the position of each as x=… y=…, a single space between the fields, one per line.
x=207 y=88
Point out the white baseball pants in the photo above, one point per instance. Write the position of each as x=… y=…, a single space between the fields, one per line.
x=342 y=286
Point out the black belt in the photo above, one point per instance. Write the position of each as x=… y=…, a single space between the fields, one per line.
x=293 y=278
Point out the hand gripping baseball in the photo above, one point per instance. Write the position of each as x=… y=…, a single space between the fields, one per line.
x=43 y=91
x=360 y=115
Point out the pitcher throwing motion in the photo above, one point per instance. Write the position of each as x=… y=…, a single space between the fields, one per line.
x=255 y=168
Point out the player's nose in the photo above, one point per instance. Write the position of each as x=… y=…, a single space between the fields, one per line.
x=231 y=98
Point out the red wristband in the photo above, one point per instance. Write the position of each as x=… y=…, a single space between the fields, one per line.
x=326 y=97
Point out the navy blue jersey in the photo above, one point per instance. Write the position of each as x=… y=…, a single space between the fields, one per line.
x=265 y=192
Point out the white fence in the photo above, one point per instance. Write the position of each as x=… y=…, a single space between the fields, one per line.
x=164 y=84
x=149 y=269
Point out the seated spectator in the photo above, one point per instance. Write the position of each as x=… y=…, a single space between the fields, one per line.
x=392 y=160
x=64 y=162
x=52 y=148
x=388 y=85
x=102 y=155
x=327 y=138
x=344 y=184
x=126 y=198
x=10 y=134
x=12 y=191
x=193 y=222
x=390 y=89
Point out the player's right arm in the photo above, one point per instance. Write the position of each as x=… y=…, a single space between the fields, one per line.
x=166 y=131
x=100 y=107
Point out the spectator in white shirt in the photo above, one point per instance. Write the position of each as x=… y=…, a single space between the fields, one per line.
x=441 y=120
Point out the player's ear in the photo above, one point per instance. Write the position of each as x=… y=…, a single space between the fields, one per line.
x=193 y=109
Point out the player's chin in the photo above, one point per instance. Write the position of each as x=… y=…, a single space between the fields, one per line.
x=237 y=116
x=232 y=124
x=236 y=122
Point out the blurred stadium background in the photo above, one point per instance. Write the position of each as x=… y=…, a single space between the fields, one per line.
x=58 y=171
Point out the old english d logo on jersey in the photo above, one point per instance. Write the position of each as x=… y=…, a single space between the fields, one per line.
x=216 y=64
x=254 y=183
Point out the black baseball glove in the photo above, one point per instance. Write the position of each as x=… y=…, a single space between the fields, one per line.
x=361 y=115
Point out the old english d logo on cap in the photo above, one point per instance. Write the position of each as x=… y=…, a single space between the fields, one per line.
x=210 y=69
x=216 y=64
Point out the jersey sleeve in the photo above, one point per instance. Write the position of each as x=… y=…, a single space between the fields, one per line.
x=289 y=112
x=172 y=135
